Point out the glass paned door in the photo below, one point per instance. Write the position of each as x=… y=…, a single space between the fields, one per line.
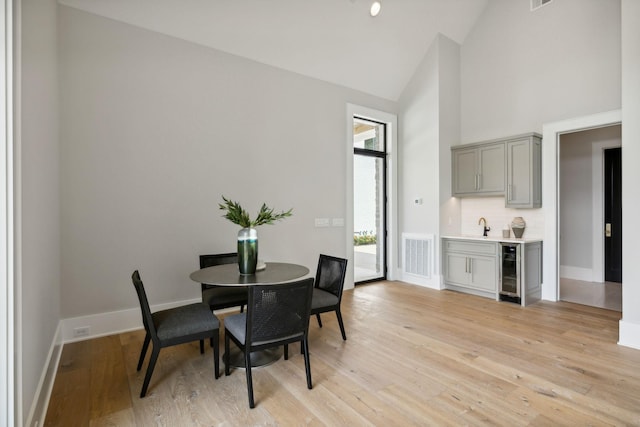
x=369 y=204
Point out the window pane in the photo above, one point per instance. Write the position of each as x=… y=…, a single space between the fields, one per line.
x=368 y=135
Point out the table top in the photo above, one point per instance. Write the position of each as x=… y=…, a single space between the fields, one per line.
x=229 y=275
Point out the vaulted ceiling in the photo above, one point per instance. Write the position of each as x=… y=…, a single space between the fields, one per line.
x=332 y=40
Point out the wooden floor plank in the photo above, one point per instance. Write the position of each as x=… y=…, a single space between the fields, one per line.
x=414 y=356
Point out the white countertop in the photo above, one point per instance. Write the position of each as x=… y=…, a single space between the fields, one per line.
x=497 y=239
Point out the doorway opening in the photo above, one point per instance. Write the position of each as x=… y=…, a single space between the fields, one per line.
x=590 y=217
x=369 y=200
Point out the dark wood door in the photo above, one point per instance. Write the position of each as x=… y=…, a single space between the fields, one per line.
x=613 y=215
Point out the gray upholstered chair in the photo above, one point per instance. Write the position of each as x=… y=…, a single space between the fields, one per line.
x=327 y=293
x=174 y=326
x=276 y=315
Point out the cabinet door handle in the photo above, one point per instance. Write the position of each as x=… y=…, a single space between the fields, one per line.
x=479 y=181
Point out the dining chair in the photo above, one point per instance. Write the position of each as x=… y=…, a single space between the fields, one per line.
x=276 y=315
x=174 y=326
x=327 y=291
x=218 y=297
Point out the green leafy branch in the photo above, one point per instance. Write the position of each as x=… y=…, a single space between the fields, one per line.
x=237 y=215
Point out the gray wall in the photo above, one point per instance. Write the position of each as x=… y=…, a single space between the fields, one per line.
x=38 y=226
x=521 y=69
x=154 y=130
x=576 y=199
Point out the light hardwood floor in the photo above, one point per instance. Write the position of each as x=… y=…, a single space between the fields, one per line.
x=414 y=356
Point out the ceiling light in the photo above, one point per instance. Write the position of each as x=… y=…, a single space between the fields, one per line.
x=375 y=8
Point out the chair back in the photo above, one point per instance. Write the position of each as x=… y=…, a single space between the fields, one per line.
x=218 y=259
x=331 y=273
x=147 y=320
x=277 y=312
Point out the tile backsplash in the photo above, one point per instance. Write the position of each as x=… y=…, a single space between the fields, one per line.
x=497 y=216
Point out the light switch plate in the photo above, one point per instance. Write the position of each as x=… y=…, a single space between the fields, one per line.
x=322 y=222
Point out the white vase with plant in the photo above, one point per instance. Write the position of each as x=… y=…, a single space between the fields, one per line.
x=248 y=235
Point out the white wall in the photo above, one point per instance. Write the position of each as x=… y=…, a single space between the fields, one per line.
x=429 y=124
x=521 y=69
x=630 y=323
x=154 y=130
x=38 y=235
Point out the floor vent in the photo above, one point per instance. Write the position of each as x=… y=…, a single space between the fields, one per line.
x=537 y=4
x=417 y=255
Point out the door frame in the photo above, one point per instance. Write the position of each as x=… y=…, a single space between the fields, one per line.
x=391 y=122
x=550 y=186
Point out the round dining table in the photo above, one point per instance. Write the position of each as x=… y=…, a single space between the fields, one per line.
x=269 y=273
x=229 y=274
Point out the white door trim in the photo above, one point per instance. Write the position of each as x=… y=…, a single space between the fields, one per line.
x=391 y=120
x=7 y=314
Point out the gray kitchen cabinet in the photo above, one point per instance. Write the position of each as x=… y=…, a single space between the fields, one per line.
x=509 y=167
x=478 y=170
x=471 y=267
x=524 y=172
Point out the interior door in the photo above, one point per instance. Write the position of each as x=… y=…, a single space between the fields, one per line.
x=613 y=215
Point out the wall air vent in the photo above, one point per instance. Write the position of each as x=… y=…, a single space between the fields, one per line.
x=417 y=258
x=537 y=4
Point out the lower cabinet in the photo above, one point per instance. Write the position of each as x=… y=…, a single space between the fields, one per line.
x=471 y=266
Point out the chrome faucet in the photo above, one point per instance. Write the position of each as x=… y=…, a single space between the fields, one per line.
x=486 y=229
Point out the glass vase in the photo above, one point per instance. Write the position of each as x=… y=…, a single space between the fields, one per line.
x=247 y=250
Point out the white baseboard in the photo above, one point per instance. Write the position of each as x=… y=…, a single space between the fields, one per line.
x=432 y=282
x=114 y=322
x=629 y=334
x=576 y=273
x=38 y=410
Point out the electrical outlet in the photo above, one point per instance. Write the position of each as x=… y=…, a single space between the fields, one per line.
x=82 y=331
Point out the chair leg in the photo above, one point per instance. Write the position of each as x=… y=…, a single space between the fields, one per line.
x=152 y=364
x=286 y=352
x=344 y=336
x=241 y=308
x=211 y=342
x=226 y=353
x=319 y=321
x=307 y=365
x=201 y=346
x=216 y=353
x=143 y=352
x=247 y=364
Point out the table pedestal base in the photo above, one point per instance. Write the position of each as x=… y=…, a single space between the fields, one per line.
x=258 y=358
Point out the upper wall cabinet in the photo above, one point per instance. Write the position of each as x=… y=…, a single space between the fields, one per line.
x=509 y=167
x=524 y=173
x=478 y=170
